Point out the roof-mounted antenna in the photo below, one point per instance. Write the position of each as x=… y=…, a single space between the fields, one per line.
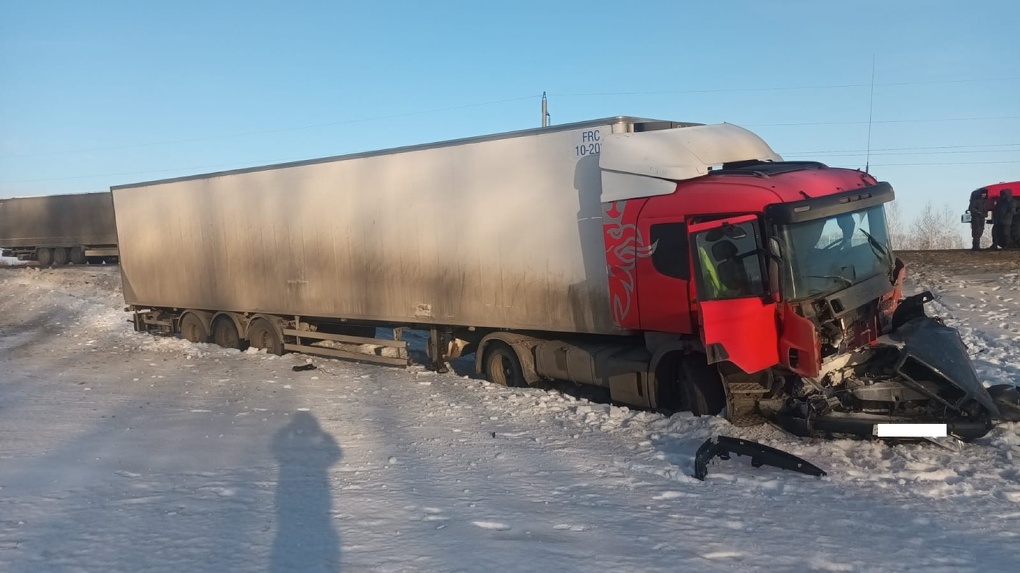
x=871 y=110
x=545 y=111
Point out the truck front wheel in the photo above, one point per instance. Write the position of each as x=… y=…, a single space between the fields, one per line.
x=702 y=386
x=502 y=366
x=689 y=383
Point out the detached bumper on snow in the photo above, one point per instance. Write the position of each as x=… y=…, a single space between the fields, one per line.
x=723 y=446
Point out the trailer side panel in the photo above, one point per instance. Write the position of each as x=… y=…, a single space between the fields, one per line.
x=503 y=233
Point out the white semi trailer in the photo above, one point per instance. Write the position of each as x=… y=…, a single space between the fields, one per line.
x=491 y=243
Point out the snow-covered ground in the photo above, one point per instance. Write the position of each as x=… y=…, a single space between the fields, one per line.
x=127 y=452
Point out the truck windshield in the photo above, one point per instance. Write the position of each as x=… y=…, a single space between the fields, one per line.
x=826 y=255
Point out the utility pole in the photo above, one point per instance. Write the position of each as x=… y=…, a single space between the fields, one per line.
x=545 y=111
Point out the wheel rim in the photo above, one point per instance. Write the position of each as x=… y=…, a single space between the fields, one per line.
x=503 y=368
x=499 y=368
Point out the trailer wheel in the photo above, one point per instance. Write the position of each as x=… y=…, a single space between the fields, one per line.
x=60 y=256
x=78 y=256
x=225 y=334
x=192 y=329
x=502 y=366
x=262 y=335
x=44 y=256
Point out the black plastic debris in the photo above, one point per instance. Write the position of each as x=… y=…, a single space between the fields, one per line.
x=304 y=367
x=1007 y=400
x=760 y=454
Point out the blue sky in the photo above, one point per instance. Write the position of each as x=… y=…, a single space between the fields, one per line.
x=103 y=93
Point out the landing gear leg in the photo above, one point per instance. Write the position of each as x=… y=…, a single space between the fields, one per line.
x=438 y=349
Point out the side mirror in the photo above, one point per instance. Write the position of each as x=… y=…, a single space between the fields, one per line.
x=774 y=248
x=775 y=287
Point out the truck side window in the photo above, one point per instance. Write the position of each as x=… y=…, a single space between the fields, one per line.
x=671 y=256
x=729 y=263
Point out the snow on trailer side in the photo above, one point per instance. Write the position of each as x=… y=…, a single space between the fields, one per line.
x=502 y=231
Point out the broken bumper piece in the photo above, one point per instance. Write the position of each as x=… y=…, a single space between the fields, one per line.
x=933 y=360
x=723 y=446
x=1007 y=400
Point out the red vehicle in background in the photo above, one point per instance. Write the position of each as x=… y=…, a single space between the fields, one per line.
x=994 y=190
x=993 y=195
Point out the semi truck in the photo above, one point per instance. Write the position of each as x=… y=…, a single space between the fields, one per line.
x=59 y=229
x=682 y=266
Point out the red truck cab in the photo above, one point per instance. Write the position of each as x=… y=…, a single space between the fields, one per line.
x=777 y=282
x=787 y=232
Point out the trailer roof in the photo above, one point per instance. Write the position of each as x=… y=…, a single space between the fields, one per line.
x=58 y=195
x=637 y=124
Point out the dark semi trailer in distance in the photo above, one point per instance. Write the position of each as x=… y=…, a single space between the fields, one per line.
x=59 y=229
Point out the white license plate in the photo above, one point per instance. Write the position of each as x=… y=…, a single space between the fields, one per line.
x=910 y=430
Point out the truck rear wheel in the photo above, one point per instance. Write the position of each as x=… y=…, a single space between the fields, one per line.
x=262 y=335
x=61 y=256
x=78 y=256
x=502 y=366
x=193 y=330
x=44 y=256
x=225 y=334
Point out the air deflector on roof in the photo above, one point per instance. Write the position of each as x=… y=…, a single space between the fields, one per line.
x=650 y=163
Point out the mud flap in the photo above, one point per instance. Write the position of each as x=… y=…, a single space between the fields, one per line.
x=760 y=454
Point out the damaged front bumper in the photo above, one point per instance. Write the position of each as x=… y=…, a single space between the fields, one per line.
x=919 y=373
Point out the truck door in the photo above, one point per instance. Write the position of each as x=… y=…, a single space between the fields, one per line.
x=738 y=321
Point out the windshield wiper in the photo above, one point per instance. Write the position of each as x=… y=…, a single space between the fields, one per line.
x=878 y=248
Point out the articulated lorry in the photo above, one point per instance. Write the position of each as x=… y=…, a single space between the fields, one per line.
x=59 y=229
x=681 y=266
